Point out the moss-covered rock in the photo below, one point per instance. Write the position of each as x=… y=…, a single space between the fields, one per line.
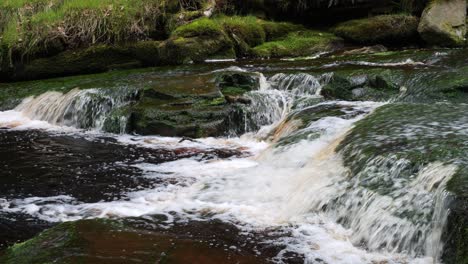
x=384 y=29
x=443 y=23
x=277 y=30
x=237 y=83
x=396 y=132
x=297 y=44
x=192 y=105
x=91 y=60
x=196 y=42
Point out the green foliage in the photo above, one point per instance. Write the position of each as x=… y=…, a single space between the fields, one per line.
x=387 y=29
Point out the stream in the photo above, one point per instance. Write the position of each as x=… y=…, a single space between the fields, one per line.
x=308 y=180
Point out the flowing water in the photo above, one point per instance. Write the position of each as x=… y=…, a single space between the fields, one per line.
x=286 y=175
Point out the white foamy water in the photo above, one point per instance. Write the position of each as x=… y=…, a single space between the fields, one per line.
x=301 y=188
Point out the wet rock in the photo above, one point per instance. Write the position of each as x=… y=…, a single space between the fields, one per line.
x=384 y=135
x=237 y=83
x=95 y=59
x=366 y=50
x=191 y=106
x=133 y=241
x=238 y=99
x=338 y=88
x=379 y=86
x=443 y=23
x=385 y=29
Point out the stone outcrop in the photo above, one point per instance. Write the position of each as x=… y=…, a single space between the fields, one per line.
x=443 y=23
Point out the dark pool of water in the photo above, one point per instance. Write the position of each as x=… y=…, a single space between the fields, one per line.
x=38 y=164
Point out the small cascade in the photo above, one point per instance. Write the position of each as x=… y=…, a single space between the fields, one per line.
x=278 y=95
x=308 y=178
x=84 y=109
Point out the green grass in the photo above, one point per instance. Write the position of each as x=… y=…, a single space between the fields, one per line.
x=30 y=27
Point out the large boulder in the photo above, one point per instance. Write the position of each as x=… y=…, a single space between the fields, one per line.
x=443 y=23
x=198 y=41
x=384 y=29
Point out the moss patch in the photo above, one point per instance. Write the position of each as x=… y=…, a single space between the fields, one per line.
x=301 y=43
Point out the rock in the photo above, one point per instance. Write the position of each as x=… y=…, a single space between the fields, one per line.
x=378 y=86
x=95 y=59
x=135 y=241
x=338 y=87
x=298 y=44
x=238 y=99
x=198 y=41
x=313 y=12
x=366 y=50
x=384 y=29
x=384 y=135
x=443 y=23
x=237 y=83
x=190 y=105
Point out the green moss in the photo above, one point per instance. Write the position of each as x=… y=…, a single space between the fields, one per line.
x=248 y=29
x=302 y=43
x=200 y=27
x=44 y=248
x=277 y=30
x=384 y=29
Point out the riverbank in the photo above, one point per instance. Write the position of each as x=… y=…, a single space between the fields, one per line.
x=51 y=38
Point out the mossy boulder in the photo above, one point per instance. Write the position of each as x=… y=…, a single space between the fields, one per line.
x=237 y=83
x=396 y=132
x=192 y=105
x=299 y=44
x=95 y=59
x=276 y=30
x=91 y=60
x=196 y=42
x=338 y=87
x=383 y=29
x=443 y=23
x=378 y=86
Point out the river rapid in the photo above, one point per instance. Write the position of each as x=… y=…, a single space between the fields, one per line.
x=286 y=182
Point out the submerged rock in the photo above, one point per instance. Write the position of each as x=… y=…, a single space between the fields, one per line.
x=443 y=23
x=136 y=241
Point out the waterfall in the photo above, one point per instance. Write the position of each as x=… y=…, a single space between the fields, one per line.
x=389 y=211
x=278 y=95
x=85 y=109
